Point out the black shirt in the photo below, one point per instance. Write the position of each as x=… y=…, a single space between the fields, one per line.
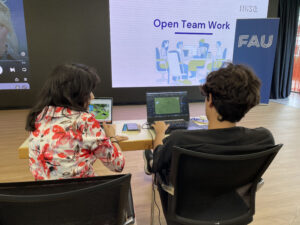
x=235 y=140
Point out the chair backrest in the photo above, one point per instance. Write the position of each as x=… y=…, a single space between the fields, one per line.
x=206 y=185
x=96 y=200
x=157 y=53
x=161 y=64
x=174 y=63
x=224 y=53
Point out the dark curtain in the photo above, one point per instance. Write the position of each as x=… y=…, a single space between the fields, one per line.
x=288 y=11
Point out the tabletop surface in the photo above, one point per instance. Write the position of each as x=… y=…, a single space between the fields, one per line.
x=137 y=140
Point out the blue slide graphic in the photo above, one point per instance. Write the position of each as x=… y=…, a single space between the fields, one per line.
x=185 y=64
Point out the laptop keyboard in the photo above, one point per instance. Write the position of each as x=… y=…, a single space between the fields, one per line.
x=174 y=125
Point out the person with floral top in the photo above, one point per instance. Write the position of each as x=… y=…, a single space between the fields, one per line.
x=65 y=140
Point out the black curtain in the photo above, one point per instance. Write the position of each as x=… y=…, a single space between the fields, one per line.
x=288 y=11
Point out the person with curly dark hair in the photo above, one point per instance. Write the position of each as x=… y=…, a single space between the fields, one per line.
x=229 y=94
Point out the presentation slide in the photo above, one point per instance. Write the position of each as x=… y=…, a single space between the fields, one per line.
x=14 y=62
x=158 y=43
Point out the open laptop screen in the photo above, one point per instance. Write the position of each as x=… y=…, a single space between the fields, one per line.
x=167 y=106
x=102 y=109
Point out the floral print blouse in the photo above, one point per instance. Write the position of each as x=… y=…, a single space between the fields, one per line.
x=66 y=144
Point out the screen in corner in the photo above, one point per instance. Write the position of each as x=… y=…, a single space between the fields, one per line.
x=167 y=105
x=14 y=62
x=173 y=42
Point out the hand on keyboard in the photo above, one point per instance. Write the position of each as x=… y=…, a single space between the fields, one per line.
x=174 y=125
x=160 y=127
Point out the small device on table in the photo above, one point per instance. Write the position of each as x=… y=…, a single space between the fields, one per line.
x=131 y=127
x=102 y=109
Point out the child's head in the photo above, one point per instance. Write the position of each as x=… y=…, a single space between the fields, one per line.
x=69 y=86
x=234 y=90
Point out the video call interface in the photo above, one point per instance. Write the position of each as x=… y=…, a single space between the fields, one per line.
x=14 y=61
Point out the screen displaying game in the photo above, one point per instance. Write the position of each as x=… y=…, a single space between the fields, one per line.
x=157 y=43
x=102 y=109
x=14 y=62
x=167 y=105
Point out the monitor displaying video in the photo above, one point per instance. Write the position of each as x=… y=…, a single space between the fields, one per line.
x=167 y=105
x=14 y=61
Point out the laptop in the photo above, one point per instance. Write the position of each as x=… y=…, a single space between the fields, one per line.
x=102 y=109
x=171 y=107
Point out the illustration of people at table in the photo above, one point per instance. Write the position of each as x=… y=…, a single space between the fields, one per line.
x=162 y=65
x=182 y=56
x=188 y=64
x=218 y=58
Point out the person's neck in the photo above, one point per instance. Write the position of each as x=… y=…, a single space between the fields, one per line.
x=216 y=124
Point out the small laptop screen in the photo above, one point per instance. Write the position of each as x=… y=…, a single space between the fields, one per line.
x=167 y=106
x=102 y=109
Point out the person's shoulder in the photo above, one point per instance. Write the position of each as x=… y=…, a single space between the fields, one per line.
x=181 y=135
x=262 y=130
x=179 y=132
x=87 y=117
x=262 y=133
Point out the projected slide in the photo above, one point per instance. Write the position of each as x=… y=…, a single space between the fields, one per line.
x=174 y=42
x=14 y=61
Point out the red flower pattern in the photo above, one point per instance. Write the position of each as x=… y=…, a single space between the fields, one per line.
x=68 y=151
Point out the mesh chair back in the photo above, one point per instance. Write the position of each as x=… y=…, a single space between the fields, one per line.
x=205 y=186
x=87 y=201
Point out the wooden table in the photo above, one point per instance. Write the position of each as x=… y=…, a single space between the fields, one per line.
x=137 y=140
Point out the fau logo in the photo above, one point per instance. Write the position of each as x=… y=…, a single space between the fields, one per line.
x=254 y=41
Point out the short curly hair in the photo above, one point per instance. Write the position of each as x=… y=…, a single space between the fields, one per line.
x=235 y=89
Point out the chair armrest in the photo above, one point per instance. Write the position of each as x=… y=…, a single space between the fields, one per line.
x=130 y=221
x=168 y=188
x=260 y=184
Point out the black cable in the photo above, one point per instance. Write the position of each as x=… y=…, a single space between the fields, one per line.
x=153 y=190
x=155 y=202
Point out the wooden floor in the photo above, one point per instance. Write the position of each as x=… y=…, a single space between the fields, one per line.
x=277 y=203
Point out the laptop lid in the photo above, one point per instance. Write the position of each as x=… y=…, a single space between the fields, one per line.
x=167 y=106
x=102 y=109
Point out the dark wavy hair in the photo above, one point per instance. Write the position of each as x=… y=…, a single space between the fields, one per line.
x=235 y=89
x=69 y=86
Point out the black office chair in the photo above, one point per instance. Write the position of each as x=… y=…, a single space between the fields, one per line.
x=210 y=189
x=87 y=201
